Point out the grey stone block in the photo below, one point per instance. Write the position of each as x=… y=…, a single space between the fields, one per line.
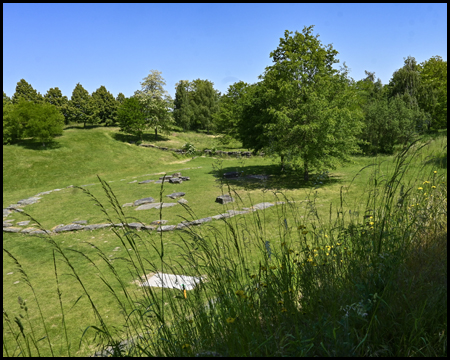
x=224 y=199
x=143 y=201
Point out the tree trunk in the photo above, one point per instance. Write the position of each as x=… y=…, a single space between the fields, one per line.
x=306 y=175
x=282 y=162
x=156 y=133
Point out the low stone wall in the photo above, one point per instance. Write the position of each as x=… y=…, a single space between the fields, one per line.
x=207 y=151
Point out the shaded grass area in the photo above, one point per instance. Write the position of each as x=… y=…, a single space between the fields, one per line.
x=325 y=305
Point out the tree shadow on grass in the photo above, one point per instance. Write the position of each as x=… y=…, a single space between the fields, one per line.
x=81 y=127
x=273 y=178
x=132 y=138
x=37 y=145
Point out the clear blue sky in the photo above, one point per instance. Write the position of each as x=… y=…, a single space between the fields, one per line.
x=116 y=45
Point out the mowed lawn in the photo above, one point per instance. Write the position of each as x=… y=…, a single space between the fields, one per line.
x=79 y=155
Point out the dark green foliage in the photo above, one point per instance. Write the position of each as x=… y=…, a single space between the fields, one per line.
x=80 y=106
x=55 y=97
x=131 y=117
x=433 y=94
x=25 y=91
x=303 y=109
x=230 y=109
x=104 y=106
x=391 y=122
x=40 y=121
x=203 y=101
x=9 y=133
x=120 y=99
x=182 y=110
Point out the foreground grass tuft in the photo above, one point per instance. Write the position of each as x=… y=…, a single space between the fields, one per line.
x=364 y=281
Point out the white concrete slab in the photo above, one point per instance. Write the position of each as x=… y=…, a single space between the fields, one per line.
x=172 y=281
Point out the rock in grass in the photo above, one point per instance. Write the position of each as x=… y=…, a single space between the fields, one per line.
x=166 y=228
x=28 y=230
x=182 y=201
x=6 y=212
x=143 y=201
x=135 y=225
x=12 y=229
x=155 y=206
x=149 y=227
x=176 y=195
x=177 y=174
x=127 y=204
x=131 y=182
x=199 y=221
x=70 y=227
x=96 y=226
x=23 y=223
x=167 y=177
x=224 y=199
x=221 y=216
x=175 y=180
x=38 y=232
x=159 y=222
x=261 y=206
x=146 y=181
x=29 y=201
x=237 y=212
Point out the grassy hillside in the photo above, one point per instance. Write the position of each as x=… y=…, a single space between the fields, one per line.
x=325 y=206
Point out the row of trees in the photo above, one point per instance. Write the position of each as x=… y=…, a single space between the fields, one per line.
x=302 y=109
x=313 y=116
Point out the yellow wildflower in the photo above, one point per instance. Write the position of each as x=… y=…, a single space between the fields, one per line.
x=326 y=236
x=186 y=346
x=230 y=320
x=371 y=223
x=240 y=293
x=433 y=187
x=426 y=182
x=420 y=188
x=435 y=172
x=281 y=302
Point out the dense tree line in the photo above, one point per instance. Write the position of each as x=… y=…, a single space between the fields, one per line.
x=302 y=109
x=313 y=116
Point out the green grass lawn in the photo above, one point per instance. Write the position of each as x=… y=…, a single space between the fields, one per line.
x=79 y=155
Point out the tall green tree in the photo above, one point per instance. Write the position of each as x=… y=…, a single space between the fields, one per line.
x=156 y=101
x=182 y=110
x=306 y=105
x=25 y=91
x=433 y=95
x=203 y=101
x=80 y=106
x=132 y=118
x=406 y=80
x=230 y=108
x=120 y=99
x=41 y=121
x=9 y=133
x=55 y=97
x=104 y=106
